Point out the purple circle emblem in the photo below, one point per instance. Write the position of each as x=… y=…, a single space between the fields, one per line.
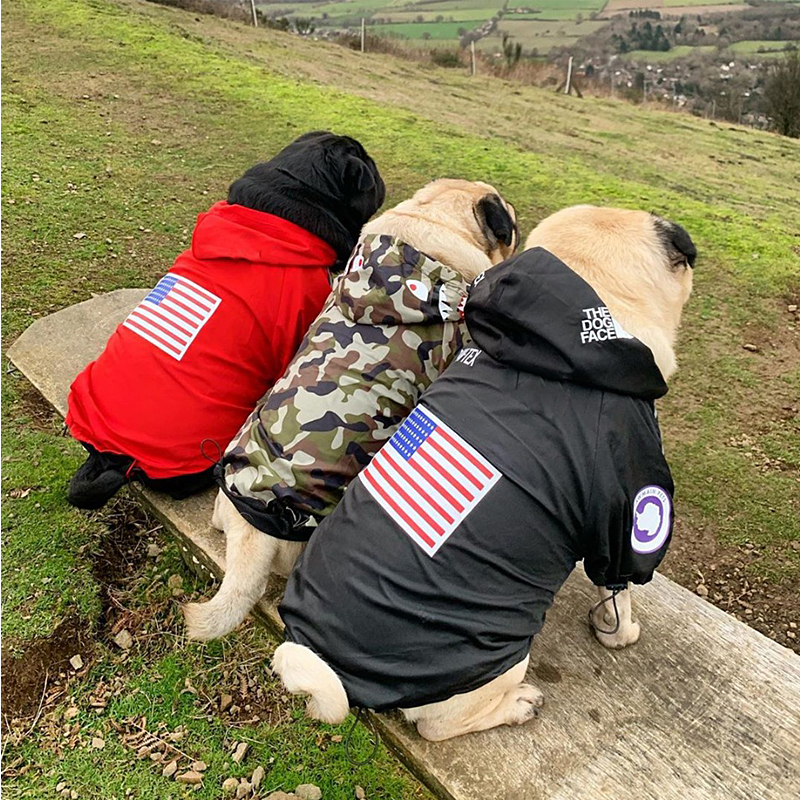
x=652 y=513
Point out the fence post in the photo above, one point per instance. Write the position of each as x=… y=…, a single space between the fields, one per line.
x=472 y=53
x=255 y=16
x=568 y=84
x=363 y=33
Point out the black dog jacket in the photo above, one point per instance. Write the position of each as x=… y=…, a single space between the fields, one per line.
x=536 y=448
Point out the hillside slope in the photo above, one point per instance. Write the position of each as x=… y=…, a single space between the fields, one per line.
x=124 y=119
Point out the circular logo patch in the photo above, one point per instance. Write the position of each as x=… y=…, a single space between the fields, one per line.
x=652 y=511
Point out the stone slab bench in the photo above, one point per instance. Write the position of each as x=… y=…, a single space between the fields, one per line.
x=702 y=708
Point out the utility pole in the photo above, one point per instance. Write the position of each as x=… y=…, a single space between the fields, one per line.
x=568 y=84
x=363 y=34
x=255 y=16
x=472 y=55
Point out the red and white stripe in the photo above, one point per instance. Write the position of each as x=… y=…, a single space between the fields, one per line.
x=432 y=492
x=171 y=319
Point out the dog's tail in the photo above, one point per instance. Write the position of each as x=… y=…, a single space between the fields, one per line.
x=303 y=672
x=97 y=480
x=249 y=554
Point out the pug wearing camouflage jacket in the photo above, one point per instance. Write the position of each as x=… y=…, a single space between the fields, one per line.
x=389 y=328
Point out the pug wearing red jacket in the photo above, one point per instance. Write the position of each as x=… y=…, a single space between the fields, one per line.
x=190 y=362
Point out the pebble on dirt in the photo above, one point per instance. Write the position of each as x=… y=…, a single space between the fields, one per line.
x=229 y=785
x=98 y=743
x=240 y=752
x=360 y=793
x=243 y=789
x=123 y=639
x=225 y=702
x=170 y=769
x=308 y=791
x=191 y=777
x=258 y=776
x=76 y=662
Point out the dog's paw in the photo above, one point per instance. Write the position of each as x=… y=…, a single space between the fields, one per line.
x=524 y=702
x=625 y=636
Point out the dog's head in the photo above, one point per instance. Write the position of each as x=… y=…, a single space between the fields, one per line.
x=638 y=263
x=322 y=182
x=464 y=224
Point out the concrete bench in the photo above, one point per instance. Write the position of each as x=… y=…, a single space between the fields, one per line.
x=702 y=708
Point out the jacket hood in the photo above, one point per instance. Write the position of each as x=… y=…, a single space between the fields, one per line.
x=388 y=282
x=234 y=232
x=535 y=314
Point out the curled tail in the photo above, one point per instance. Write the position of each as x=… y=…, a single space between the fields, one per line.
x=249 y=557
x=303 y=672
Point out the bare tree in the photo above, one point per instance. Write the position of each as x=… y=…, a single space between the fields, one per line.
x=782 y=93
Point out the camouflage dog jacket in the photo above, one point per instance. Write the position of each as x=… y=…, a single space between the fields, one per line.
x=390 y=326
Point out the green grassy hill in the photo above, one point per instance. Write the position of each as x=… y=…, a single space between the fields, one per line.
x=123 y=120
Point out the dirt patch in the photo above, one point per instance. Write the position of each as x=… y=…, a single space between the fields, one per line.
x=39 y=677
x=36 y=408
x=44 y=665
x=723 y=575
x=116 y=564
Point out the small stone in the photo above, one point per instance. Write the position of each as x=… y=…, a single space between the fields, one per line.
x=702 y=590
x=280 y=796
x=123 y=639
x=199 y=766
x=240 y=752
x=791 y=634
x=73 y=795
x=307 y=791
x=76 y=662
x=225 y=702
x=751 y=347
x=258 y=776
x=243 y=789
x=792 y=307
x=170 y=769
x=336 y=738
x=80 y=235
x=175 y=582
x=71 y=712
x=153 y=550
x=793 y=625
x=191 y=777
x=229 y=785
x=61 y=786
x=360 y=793
x=98 y=743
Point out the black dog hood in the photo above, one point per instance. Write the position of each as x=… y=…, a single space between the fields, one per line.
x=536 y=448
x=535 y=314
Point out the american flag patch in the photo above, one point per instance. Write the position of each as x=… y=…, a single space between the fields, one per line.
x=172 y=315
x=427 y=479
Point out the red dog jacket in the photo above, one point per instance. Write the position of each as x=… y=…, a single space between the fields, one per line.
x=191 y=361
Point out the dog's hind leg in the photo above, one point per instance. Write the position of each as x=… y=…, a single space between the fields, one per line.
x=604 y=618
x=304 y=673
x=506 y=700
x=249 y=554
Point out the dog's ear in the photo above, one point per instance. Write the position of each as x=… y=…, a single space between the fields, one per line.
x=678 y=244
x=363 y=183
x=496 y=222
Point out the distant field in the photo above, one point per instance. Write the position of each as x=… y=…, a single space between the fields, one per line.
x=434 y=30
x=679 y=51
x=464 y=15
x=766 y=46
x=614 y=6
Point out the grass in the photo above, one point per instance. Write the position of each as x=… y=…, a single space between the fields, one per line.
x=762 y=46
x=678 y=51
x=138 y=123
x=417 y=30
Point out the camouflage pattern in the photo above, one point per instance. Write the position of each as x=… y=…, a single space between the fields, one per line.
x=390 y=326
